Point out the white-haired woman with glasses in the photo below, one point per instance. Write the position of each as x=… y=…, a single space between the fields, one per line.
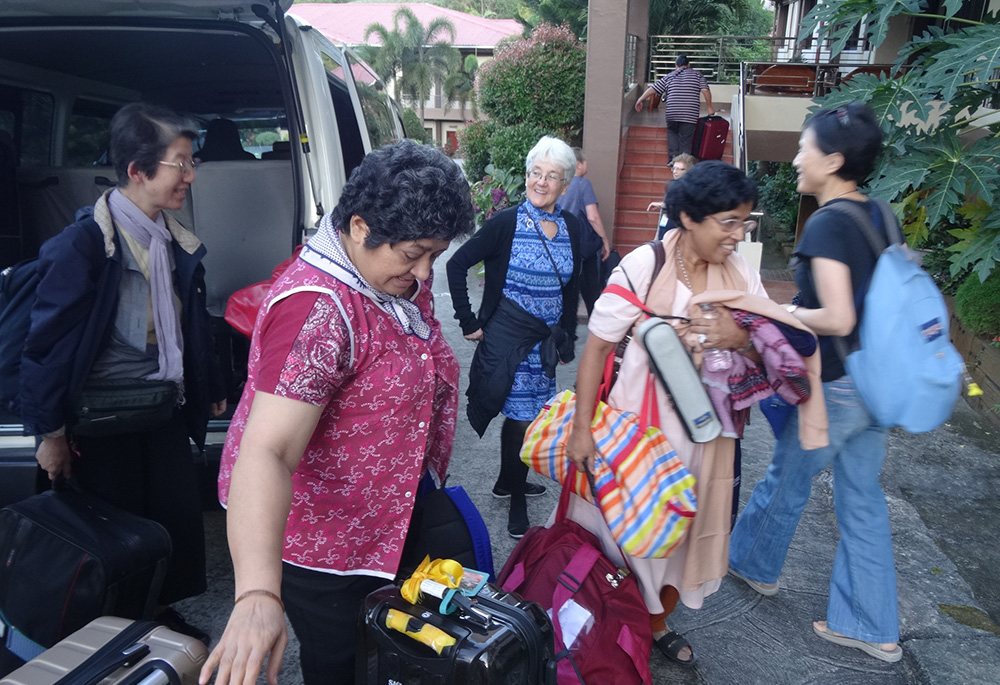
x=122 y=300
x=526 y=322
x=711 y=206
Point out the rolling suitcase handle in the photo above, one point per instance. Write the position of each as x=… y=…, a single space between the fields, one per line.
x=122 y=650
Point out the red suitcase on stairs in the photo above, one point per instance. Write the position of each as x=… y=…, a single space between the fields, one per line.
x=710 y=137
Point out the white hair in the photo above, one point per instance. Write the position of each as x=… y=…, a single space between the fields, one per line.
x=555 y=152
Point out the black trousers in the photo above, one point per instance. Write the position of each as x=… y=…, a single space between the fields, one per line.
x=590 y=281
x=152 y=474
x=680 y=138
x=324 y=610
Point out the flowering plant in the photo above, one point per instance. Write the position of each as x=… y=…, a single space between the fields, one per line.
x=995 y=341
x=498 y=190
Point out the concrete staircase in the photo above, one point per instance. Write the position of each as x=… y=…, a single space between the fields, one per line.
x=642 y=180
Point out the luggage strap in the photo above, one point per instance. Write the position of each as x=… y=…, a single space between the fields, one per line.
x=117 y=652
x=16 y=642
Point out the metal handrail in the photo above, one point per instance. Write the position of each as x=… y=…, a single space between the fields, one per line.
x=719 y=57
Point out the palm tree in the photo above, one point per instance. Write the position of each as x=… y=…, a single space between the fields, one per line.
x=460 y=87
x=414 y=56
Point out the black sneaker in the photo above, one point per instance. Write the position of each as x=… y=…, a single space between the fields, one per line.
x=170 y=618
x=530 y=490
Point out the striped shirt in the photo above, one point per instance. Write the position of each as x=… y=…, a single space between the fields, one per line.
x=681 y=92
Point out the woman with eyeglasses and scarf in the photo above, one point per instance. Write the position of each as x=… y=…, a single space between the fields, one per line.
x=838 y=149
x=710 y=206
x=122 y=298
x=526 y=322
x=350 y=402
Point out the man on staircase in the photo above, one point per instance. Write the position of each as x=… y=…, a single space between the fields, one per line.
x=681 y=90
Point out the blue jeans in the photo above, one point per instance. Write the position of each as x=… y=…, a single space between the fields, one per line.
x=863 y=601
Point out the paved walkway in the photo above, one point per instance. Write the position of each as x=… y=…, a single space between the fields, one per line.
x=942 y=492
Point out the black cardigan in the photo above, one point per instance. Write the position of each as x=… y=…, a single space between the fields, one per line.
x=492 y=245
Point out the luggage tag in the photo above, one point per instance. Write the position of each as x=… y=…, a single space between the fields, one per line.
x=461 y=597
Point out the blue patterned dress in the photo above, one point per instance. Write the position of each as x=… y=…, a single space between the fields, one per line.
x=532 y=283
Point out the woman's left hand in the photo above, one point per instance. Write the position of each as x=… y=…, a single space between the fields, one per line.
x=218 y=408
x=719 y=329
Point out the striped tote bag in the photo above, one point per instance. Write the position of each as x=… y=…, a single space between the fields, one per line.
x=643 y=490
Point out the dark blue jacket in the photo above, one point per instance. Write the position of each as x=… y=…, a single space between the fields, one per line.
x=72 y=318
x=492 y=245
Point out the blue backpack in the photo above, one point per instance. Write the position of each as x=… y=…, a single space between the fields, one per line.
x=17 y=295
x=906 y=369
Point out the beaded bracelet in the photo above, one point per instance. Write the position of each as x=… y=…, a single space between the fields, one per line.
x=264 y=593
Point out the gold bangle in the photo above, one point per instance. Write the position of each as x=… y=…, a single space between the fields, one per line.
x=263 y=593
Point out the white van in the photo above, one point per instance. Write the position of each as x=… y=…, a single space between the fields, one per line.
x=308 y=111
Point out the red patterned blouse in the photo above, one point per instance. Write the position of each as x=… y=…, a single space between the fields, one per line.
x=390 y=404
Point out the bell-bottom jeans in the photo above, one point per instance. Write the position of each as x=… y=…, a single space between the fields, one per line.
x=863 y=601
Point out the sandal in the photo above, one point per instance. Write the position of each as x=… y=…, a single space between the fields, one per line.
x=671 y=645
x=870 y=648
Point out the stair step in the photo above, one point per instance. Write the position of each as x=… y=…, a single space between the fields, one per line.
x=646 y=144
x=645 y=131
x=645 y=173
x=636 y=219
x=636 y=203
x=642 y=188
x=649 y=158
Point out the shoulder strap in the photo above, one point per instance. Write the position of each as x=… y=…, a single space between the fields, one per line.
x=336 y=301
x=863 y=220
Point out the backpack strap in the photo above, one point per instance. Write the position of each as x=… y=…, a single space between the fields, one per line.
x=863 y=220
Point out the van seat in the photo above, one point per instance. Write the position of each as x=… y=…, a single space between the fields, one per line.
x=244 y=215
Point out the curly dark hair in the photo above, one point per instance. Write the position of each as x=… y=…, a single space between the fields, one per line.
x=709 y=188
x=406 y=191
x=853 y=131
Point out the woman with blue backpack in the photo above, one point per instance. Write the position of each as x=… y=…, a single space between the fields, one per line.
x=837 y=151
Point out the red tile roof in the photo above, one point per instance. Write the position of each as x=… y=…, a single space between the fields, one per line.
x=346 y=22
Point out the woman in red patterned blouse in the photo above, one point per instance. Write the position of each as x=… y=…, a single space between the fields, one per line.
x=350 y=401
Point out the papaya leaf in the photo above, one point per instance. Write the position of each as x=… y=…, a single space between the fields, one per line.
x=970 y=60
x=901 y=174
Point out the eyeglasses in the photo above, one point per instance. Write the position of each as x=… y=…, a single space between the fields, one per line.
x=183 y=167
x=536 y=174
x=843 y=117
x=733 y=225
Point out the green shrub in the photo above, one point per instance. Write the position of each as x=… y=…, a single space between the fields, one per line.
x=474 y=148
x=776 y=188
x=412 y=127
x=977 y=304
x=266 y=138
x=510 y=145
x=538 y=80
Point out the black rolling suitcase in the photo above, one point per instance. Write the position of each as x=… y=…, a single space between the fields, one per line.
x=502 y=639
x=69 y=558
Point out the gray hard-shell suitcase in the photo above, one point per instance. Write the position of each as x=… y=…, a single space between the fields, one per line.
x=116 y=651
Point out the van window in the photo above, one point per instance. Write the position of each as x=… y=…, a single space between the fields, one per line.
x=27 y=116
x=89 y=132
x=352 y=145
x=374 y=104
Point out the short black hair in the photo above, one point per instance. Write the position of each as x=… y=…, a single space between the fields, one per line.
x=853 y=131
x=406 y=191
x=682 y=60
x=141 y=133
x=709 y=188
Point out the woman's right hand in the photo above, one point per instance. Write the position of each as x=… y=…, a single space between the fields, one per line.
x=256 y=630
x=475 y=336
x=55 y=456
x=581 y=448
x=654 y=207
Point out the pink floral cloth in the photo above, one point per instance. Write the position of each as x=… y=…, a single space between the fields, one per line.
x=390 y=405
